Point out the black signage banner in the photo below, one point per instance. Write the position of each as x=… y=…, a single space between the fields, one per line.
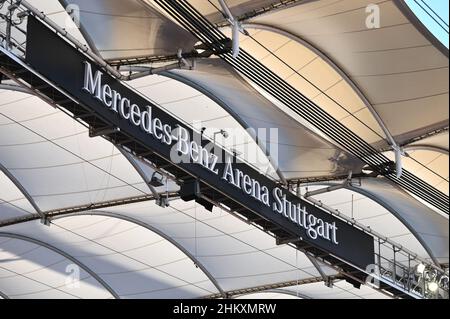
x=177 y=142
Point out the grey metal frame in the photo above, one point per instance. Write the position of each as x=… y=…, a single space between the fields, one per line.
x=64 y=254
x=282 y=292
x=420 y=147
x=316 y=264
x=330 y=62
x=257 y=289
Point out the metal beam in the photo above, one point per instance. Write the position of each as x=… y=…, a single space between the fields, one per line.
x=64 y=254
x=421 y=147
x=283 y=292
x=156 y=231
x=22 y=189
x=81 y=208
x=16 y=88
x=250 y=290
x=368 y=230
x=332 y=188
x=3 y=295
x=138 y=169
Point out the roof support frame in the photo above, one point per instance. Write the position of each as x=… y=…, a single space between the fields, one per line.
x=24 y=192
x=282 y=292
x=393 y=211
x=224 y=105
x=156 y=231
x=257 y=289
x=422 y=147
x=82 y=208
x=316 y=264
x=140 y=171
x=16 y=88
x=395 y=147
x=329 y=189
x=64 y=254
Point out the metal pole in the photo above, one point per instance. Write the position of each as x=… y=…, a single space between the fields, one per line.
x=8 y=29
x=394 y=272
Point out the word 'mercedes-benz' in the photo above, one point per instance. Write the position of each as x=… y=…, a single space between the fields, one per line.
x=185 y=150
x=163 y=132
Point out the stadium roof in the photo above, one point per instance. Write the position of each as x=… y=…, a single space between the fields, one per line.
x=387 y=84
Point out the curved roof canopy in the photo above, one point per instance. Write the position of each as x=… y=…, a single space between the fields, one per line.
x=385 y=63
x=294 y=150
x=410 y=218
x=118 y=243
x=129 y=29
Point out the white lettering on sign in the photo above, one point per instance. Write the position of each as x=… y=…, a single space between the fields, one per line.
x=191 y=151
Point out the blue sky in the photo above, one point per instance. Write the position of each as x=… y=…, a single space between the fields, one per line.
x=440 y=7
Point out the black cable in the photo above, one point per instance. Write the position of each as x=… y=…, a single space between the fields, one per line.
x=431 y=16
x=437 y=15
x=186 y=15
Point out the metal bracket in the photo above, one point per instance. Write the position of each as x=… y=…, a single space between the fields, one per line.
x=344 y=184
x=155 y=180
x=329 y=282
x=163 y=201
x=103 y=131
x=45 y=220
x=236 y=27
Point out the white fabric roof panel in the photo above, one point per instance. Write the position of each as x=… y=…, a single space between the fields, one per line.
x=68 y=168
x=92 y=169
x=429 y=227
x=28 y=270
x=227 y=247
x=136 y=267
x=295 y=150
x=12 y=201
x=386 y=63
x=137 y=263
